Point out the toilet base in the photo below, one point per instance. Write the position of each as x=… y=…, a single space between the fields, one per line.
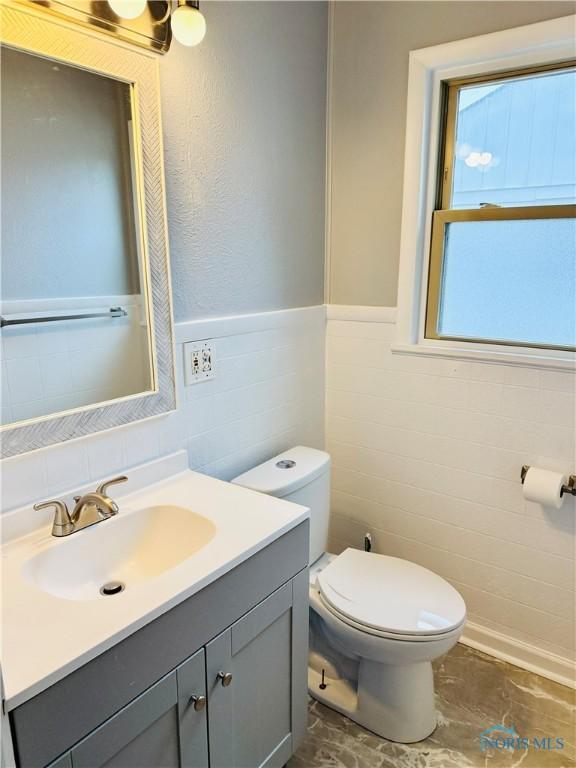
x=395 y=702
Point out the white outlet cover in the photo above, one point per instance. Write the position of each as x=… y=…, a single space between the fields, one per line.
x=198 y=361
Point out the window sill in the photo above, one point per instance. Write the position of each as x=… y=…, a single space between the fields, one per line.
x=496 y=354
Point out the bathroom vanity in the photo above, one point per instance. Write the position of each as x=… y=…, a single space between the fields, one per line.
x=202 y=665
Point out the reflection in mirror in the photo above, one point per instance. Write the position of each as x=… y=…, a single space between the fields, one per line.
x=71 y=241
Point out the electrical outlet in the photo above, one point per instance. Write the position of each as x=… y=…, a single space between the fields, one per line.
x=198 y=361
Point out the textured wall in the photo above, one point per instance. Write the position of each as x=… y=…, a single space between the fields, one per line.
x=370 y=77
x=244 y=129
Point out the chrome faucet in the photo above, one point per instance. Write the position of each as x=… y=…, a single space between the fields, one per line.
x=88 y=509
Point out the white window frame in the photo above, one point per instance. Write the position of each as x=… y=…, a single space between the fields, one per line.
x=528 y=46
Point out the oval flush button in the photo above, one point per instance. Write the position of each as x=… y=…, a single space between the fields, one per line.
x=285 y=464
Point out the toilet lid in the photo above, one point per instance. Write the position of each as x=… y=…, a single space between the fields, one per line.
x=390 y=594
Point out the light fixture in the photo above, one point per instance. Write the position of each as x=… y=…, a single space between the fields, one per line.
x=128 y=9
x=188 y=24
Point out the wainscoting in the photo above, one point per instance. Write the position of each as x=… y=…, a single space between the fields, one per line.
x=427 y=455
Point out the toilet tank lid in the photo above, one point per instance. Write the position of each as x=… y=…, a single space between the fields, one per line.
x=286 y=472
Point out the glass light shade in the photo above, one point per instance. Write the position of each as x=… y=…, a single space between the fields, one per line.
x=128 y=9
x=188 y=25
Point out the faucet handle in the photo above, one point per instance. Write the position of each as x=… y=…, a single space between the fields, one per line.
x=62 y=524
x=103 y=487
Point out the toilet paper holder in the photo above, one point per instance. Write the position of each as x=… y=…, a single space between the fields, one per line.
x=570 y=487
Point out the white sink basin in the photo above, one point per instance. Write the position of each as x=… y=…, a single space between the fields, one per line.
x=131 y=549
x=173 y=536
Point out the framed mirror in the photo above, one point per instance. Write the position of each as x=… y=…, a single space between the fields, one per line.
x=86 y=323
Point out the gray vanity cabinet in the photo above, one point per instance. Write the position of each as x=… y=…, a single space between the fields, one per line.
x=161 y=727
x=218 y=681
x=249 y=678
x=142 y=735
x=250 y=698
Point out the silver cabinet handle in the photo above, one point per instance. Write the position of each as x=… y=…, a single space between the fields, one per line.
x=198 y=702
x=225 y=678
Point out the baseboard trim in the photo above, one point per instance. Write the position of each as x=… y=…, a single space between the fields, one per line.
x=519 y=653
x=361 y=314
x=231 y=325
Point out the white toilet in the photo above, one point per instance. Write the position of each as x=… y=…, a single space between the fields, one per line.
x=376 y=622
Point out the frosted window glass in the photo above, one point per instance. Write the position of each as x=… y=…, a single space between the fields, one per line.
x=516 y=142
x=510 y=281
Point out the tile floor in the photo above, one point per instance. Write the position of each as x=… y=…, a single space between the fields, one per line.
x=474 y=691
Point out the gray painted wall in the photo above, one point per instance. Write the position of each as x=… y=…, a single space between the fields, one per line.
x=370 y=77
x=244 y=130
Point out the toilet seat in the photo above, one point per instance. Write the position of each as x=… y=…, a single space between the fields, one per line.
x=390 y=597
x=395 y=636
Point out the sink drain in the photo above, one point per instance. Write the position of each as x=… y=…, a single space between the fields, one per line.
x=112 y=588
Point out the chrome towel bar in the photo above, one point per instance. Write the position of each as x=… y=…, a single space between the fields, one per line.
x=112 y=312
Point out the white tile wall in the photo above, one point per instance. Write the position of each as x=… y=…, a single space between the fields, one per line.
x=267 y=396
x=427 y=454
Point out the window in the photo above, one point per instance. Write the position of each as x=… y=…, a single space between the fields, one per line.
x=503 y=246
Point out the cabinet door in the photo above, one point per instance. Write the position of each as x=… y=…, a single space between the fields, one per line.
x=252 y=717
x=142 y=735
x=65 y=761
x=191 y=678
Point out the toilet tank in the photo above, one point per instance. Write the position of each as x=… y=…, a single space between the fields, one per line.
x=301 y=475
